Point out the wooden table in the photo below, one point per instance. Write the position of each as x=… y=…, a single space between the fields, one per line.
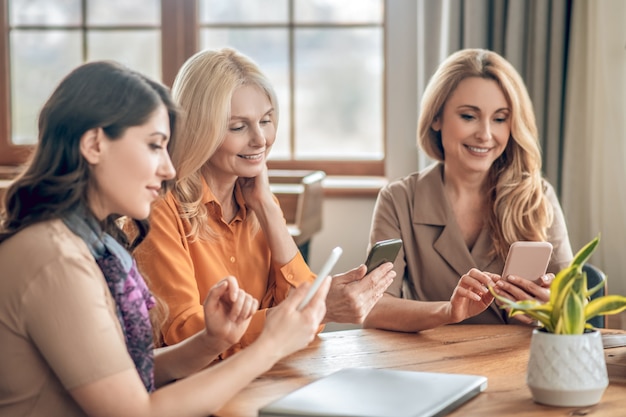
x=499 y=352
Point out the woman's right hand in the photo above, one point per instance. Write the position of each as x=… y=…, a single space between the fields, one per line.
x=288 y=329
x=471 y=295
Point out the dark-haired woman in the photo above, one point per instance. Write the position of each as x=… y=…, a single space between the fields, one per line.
x=75 y=326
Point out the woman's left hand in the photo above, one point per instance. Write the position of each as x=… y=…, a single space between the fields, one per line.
x=256 y=190
x=228 y=311
x=517 y=289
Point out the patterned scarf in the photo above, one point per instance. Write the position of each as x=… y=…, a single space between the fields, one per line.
x=132 y=297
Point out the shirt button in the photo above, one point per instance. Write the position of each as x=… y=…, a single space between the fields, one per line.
x=290 y=276
x=232 y=259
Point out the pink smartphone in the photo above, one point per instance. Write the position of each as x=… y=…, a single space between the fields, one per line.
x=527 y=260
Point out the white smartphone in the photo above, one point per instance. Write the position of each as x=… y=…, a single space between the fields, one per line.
x=527 y=260
x=324 y=272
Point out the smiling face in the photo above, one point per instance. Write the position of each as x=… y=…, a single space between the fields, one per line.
x=249 y=138
x=128 y=172
x=475 y=125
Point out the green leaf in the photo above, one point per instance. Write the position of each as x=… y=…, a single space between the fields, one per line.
x=559 y=304
x=583 y=255
x=517 y=305
x=542 y=317
x=580 y=284
x=559 y=279
x=609 y=304
x=562 y=278
x=592 y=291
x=574 y=315
x=558 y=326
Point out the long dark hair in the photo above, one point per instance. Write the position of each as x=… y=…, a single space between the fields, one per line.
x=101 y=94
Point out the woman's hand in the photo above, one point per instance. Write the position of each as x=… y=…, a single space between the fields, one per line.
x=288 y=329
x=516 y=288
x=353 y=294
x=256 y=190
x=228 y=311
x=471 y=295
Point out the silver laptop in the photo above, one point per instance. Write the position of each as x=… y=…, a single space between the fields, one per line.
x=368 y=392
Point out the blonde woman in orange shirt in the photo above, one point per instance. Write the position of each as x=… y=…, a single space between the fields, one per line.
x=221 y=218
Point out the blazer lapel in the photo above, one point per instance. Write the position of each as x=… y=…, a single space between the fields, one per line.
x=487 y=261
x=448 y=243
x=482 y=252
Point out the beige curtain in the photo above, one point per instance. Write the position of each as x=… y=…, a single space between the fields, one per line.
x=531 y=34
x=594 y=186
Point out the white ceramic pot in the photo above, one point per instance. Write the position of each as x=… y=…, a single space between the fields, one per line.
x=567 y=370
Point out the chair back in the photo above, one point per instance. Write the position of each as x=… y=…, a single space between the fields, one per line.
x=594 y=277
x=300 y=194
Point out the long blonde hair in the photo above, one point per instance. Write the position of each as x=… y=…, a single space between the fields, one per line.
x=203 y=88
x=519 y=207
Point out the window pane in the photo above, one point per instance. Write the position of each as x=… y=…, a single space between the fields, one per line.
x=123 y=12
x=344 y=11
x=39 y=60
x=44 y=12
x=269 y=49
x=240 y=11
x=137 y=49
x=338 y=102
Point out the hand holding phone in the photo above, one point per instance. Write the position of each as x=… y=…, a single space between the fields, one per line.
x=328 y=266
x=382 y=251
x=527 y=260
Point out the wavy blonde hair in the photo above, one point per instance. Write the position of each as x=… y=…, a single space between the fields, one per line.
x=203 y=88
x=520 y=209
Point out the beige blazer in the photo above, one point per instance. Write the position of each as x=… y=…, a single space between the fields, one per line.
x=434 y=254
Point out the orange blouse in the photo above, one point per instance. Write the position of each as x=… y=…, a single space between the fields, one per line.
x=181 y=272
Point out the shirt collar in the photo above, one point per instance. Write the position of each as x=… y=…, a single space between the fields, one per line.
x=209 y=199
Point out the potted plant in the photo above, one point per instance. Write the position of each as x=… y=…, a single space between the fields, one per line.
x=566 y=366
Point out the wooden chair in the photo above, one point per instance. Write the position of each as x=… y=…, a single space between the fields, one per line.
x=301 y=196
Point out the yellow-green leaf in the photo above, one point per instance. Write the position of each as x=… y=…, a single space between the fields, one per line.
x=609 y=304
x=585 y=252
x=595 y=289
x=560 y=281
x=561 y=296
x=573 y=317
x=541 y=316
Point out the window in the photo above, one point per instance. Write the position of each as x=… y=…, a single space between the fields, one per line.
x=45 y=40
x=324 y=57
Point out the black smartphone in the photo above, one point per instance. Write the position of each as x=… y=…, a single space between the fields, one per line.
x=381 y=252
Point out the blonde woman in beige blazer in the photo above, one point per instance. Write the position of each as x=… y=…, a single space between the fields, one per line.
x=458 y=217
